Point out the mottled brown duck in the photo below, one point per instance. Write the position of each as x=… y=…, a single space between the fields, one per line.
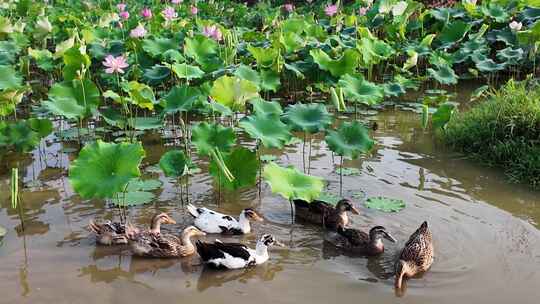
x=322 y=213
x=152 y=245
x=417 y=255
x=359 y=242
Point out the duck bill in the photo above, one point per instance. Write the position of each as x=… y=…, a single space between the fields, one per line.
x=278 y=243
x=171 y=221
x=258 y=218
x=389 y=237
x=355 y=211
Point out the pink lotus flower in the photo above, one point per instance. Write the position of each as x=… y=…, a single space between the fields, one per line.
x=362 y=11
x=176 y=1
x=515 y=26
x=138 y=32
x=124 y=15
x=169 y=13
x=115 y=64
x=146 y=13
x=288 y=7
x=121 y=6
x=194 y=10
x=331 y=10
x=212 y=31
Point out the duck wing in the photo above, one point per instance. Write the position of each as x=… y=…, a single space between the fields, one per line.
x=217 y=250
x=419 y=247
x=354 y=237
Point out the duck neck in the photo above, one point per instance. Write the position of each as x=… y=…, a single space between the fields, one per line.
x=377 y=245
x=261 y=250
x=156 y=226
x=405 y=270
x=244 y=224
x=186 y=241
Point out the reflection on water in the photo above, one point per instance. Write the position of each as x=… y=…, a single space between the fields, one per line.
x=483 y=227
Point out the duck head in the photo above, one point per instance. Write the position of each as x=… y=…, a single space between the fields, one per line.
x=404 y=269
x=192 y=231
x=269 y=240
x=251 y=215
x=158 y=219
x=379 y=232
x=345 y=205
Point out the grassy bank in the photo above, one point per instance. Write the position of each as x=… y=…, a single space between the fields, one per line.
x=503 y=130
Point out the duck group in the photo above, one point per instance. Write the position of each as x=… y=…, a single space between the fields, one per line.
x=415 y=257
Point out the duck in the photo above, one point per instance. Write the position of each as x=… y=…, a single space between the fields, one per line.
x=417 y=255
x=322 y=213
x=235 y=255
x=211 y=221
x=358 y=241
x=114 y=233
x=162 y=245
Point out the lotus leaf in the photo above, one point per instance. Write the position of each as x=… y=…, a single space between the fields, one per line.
x=18 y=135
x=292 y=184
x=141 y=95
x=268 y=129
x=181 y=99
x=186 y=71
x=453 y=32
x=74 y=60
x=144 y=185
x=262 y=107
x=497 y=12
x=174 y=163
x=9 y=100
x=159 y=46
x=133 y=198
x=243 y=165
x=73 y=99
x=385 y=204
x=346 y=64
x=209 y=136
x=351 y=139
x=233 y=92
x=442 y=116
x=103 y=170
x=145 y=123
x=510 y=55
x=360 y=90
x=444 y=74
x=311 y=118
x=156 y=74
x=488 y=65
x=265 y=57
x=9 y=78
x=42 y=127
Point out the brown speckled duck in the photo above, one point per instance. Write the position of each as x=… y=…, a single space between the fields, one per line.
x=322 y=213
x=358 y=241
x=114 y=233
x=416 y=256
x=162 y=245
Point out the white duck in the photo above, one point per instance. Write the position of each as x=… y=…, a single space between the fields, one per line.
x=235 y=255
x=211 y=221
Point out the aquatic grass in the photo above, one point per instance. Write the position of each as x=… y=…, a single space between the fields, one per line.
x=503 y=130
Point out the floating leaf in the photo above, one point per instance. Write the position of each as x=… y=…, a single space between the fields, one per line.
x=104 y=169
x=311 y=118
x=174 y=163
x=207 y=137
x=360 y=90
x=348 y=171
x=268 y=129
x=351 y=139
x=385 y=204
x=144 y=185
x=291 y=183
x=134 y=198
x=243 y=165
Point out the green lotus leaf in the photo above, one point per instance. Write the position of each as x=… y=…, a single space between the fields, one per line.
x=103 y=170
x=496 y=12
x=145 y=123
x=479 y=92
x=243 y=165
x=268 y=129
x=296 y=69
x=444 y=74
x=443 y=115
x=133 y=198
x=18 y=135
x=44 y=59
x=292 y=184
x=294 y=25
x=267 y=158
x=269 y=81
x=511 y=38
x=488 y=65
x=262 y=107
x=531 y=13
x=265 y=57
x=113 y=117
x=9 y=100
x=156 y=74
x=73 y=99
x=510 y=55
x=351 y=139
x=385 y=204
x=347 y=64
x=233 y=92
x=348 y=171
x=292 y=42
x=200 y=47
x=209 y=136
x=186 y=71
x=74 y=60
x=393 y=89
x=360 y=90
x=181 y=99
x=453 y=32
x=42 y=127
x=144 y=185
x=9 y=78
x=141 y=95
x=174 y=163
x=374 y=51
x=247 y=73
x=158 y=47
x=311 y=118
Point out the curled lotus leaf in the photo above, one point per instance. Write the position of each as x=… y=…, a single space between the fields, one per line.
x=292 y=184
x=311 y=118
x=174 y=163
x=351 y=139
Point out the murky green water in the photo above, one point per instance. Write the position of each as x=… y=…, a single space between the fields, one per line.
x=485 y=231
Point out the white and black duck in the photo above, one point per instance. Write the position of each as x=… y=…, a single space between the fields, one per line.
x=211 y=221
x=235 y=255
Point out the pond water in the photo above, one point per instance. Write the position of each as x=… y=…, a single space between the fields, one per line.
x=486 y=233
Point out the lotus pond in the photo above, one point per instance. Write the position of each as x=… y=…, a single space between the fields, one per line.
x=120 y=110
